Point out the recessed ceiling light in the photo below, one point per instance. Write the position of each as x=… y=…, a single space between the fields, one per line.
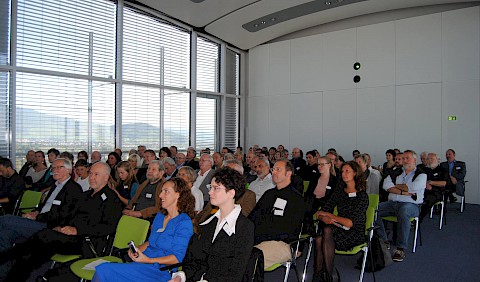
x=273 y=19
x=328 y=3
x=264 y=22
x=255 y=25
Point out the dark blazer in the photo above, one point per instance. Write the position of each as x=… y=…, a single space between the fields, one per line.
x=65 y=205
x=193 y=164
x=203 y=185
x=223 y=260
x=459 y=170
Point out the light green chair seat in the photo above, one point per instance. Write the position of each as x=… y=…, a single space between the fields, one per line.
x=77 y=267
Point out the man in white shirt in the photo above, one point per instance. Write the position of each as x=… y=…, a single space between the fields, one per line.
x=264 y=178
x=205 y=175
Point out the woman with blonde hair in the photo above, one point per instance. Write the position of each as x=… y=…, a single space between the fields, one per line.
x=127 y=182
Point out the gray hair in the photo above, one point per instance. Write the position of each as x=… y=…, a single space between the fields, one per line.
x=210 y=158
x=168 y=160
x=236 y=163
x=228 y=156
x=66 y=163
x=159 y=163
x=414 y=155
x=267 y=163
x=191 y=173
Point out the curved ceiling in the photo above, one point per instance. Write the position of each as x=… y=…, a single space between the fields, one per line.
x=248 y=23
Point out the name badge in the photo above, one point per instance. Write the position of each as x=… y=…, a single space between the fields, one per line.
x=279 y=206
x=57 y=202
x=104 y=197
x=125 y=187
x=458 y=167
x=297 y=168
x=352 y=195
x=160 y=230
x=435 y=174
x=328 y=187
x=148 y=195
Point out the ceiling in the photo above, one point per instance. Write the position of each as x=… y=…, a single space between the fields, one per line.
x=248 y=23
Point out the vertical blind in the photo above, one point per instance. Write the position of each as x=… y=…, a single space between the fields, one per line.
x=206 y=132
x=208 y=65
x=4 y=78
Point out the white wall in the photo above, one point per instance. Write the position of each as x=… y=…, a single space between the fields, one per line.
x=415 y=73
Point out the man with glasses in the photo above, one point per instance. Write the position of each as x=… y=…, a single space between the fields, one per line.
x=278 y=216
x=59 y=207
x=205 y=175
x=264 y=178
x=180 y=160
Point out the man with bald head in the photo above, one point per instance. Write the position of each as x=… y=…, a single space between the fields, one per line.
x=96 y=217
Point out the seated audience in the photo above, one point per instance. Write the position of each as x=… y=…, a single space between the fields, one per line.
x=164 y=153
x=127 y=183
x=404 y=199
x=38 y=169
x=320 y=189
x=82 y=155
x=12 y=185
x=170 y=167
x=30 y=160
x=81 y=174
x=112 y=161
x=221 y=249
x=345 y=230
x=142 y=172
x=278 y=216
x=189 y=175
x=264 y=178
x=146 y=202
x=390 y=163
x=437 y=178
x=311 y=169
x=97 y=216
x=180 y=160
x=205 y=175
x=372 y=178
x=95 y=157
x=190 y=159
x=167 y=244
x=456 y=171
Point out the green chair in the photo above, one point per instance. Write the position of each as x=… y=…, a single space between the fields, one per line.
x=128 y=229
x=414 y=220
x=370 y=221
x=305 y=187
x=27 y=202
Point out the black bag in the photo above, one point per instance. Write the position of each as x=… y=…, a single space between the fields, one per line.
x=254 y=271
x=375 y=253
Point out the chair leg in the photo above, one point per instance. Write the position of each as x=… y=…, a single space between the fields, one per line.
x=416 y=235
x=441 y=215
x=431 y=211
x=307 y=259
x=364 y=261
x=462 y=204
x=287 y=271
x=52 y=265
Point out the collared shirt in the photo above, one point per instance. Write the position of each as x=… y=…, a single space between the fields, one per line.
x=167 y=177
x=84 y=183
x=450 y=167
x=227 y=224
x=51 y=200
x=414 y=186
x=259 y=186
x=200 y=178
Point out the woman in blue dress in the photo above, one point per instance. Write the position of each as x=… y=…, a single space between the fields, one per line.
x=168 y=241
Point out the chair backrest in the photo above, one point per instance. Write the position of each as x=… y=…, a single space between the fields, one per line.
x=28 y=201
x=130 y=229
x=305 y=187
x=371 y=210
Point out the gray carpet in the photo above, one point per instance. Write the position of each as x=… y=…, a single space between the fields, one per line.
x=450 y=254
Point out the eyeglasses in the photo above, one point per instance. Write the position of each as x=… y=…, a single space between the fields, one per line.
x=322 y=164
x=277 y=169
x=57 y=167
x=215 y=188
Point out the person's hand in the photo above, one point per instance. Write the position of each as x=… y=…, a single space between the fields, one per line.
x=139 y=257
x=429 y=187
x=453 y=179
x=325 y=217
x=67 y=230
x=31 y=215
x=132 y=213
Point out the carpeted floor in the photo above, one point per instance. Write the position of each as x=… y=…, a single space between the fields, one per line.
x=450 y=254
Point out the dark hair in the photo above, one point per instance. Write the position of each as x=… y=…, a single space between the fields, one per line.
x=332 y=150
x=273 y=148
x=81 y=162
x=53 y=150
x=360 y=182
x=452 y=150
x=311 y=153
x=173 y=146
x=43 y=155
x=117 y=157
x=391 y=152
x=231 y=179
x=67 y=155
x=340 y=158
x=288 y=165
x=84 y=153
x=186 y=201
x=166 y=150
x=150 y=151
x=6 y=163
x=355 y=151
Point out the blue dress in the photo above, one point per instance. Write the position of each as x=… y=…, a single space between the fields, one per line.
x=171 y=241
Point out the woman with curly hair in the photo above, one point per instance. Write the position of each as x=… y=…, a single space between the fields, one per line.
x=222 y=247
x=345 y=230
x=168 y=241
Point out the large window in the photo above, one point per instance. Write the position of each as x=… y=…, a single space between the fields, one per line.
x=78 y=78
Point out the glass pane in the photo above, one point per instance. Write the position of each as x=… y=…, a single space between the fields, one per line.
x=57 y=35
x=176 y=119
x=208 y=65
x=4 y=115
x=4 y=32
x=140 y=117
x=232 y=72
x=231 y=122
x=206 y=123
x=54 y=112
x=155 y=52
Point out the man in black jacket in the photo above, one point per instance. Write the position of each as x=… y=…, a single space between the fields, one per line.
x=96 y=217
x=12 y=187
